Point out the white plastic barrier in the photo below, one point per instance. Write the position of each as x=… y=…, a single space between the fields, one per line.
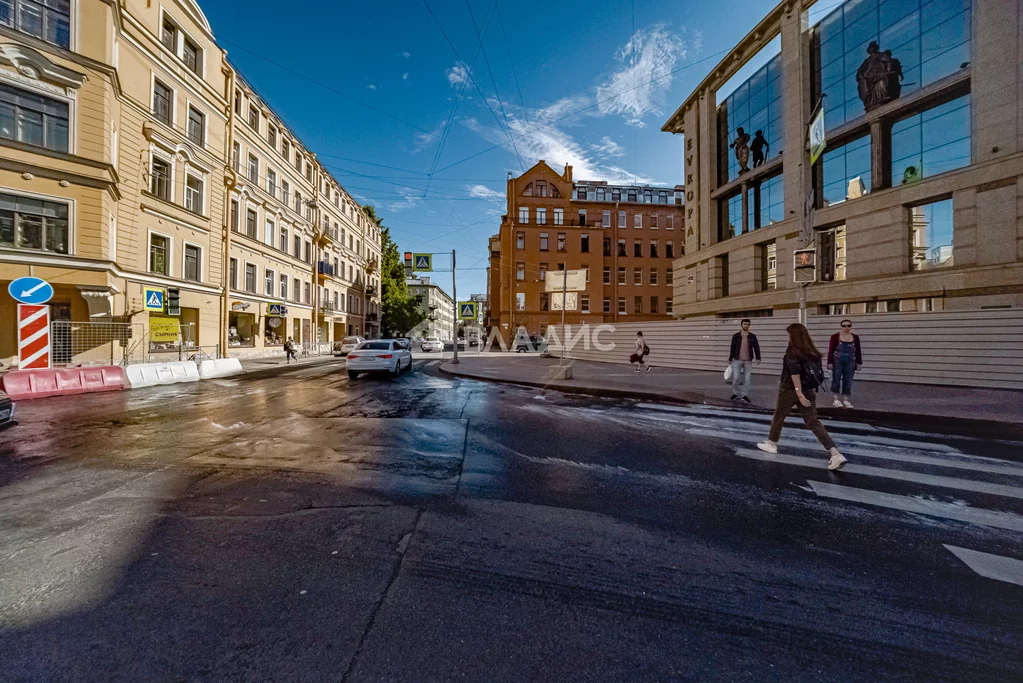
x=152 y=374
x=221 y=367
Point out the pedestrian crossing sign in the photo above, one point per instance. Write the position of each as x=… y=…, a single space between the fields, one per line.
x=422 y=262
x=467 y=310
x=275 y=310
x=154 y=298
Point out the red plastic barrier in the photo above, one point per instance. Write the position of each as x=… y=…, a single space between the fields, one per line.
x=26 y=384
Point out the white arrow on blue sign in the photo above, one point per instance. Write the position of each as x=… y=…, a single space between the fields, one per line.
x=30 y=290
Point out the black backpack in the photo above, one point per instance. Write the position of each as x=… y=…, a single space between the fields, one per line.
x=646 y=349
x=812 y=375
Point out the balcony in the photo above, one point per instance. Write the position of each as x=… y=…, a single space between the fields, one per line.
x=433 y=306
x=432 y=316
x=371 y=291
x=325 y=268
x=327 y=308
x=371 y=317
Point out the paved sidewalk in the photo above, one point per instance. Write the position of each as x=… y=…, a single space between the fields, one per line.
x=874 y=400
x=254 y=364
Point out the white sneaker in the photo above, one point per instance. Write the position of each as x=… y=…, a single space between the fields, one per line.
x=847 y=404
x=638 y=369
x=837 y=403
x=768 y=447
x=837 y=462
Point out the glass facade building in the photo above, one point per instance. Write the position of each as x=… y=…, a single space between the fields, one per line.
x=755 y=105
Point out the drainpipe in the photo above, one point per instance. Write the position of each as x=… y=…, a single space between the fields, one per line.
x=230 y=181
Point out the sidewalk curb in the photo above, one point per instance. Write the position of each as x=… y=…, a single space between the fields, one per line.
x=850 y=415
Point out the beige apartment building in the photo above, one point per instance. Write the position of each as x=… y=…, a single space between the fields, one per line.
x=916 y=204
x=135 y=159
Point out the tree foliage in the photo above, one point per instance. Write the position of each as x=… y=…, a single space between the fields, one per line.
x=399 y=310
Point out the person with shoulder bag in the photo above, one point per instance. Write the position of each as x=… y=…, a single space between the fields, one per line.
x=801 y=376
x=640 y=350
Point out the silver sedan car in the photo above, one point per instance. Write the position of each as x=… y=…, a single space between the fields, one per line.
x=380 y=355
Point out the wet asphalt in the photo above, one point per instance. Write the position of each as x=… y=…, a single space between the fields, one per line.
x=291 y=524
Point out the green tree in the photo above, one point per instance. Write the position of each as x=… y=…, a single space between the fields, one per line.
x=399 y=310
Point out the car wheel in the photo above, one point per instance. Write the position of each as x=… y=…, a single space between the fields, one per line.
x=352 y=375
x=397 y=368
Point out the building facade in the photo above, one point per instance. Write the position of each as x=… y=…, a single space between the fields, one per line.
x=916 y=203
x=624 y=237
x=437 y=307
x=126 y=140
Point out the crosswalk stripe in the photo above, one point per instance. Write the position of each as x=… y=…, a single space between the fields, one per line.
x=990 y=566
x=900 y=475
x=1001 y=520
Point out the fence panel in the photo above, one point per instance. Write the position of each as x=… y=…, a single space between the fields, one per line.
x=952 y=348
x=94 y=343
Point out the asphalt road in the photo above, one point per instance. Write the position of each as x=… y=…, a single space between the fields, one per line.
x=291 y=524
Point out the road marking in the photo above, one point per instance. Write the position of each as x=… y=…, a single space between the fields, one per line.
x=931 y=508
x=901 y=475
x=990 y=566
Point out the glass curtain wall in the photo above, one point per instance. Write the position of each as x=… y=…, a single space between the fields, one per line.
x=755 y=105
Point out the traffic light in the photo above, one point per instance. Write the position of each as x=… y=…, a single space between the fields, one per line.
x=408 y=264
x=173 y=301
x=804 y=265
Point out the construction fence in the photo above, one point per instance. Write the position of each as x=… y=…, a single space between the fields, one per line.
x=74 y=344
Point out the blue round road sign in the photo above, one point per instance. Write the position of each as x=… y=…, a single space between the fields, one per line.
x=30 y=290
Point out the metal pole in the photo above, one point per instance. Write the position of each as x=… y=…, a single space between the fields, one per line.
x=564 y=291
x=454 y=314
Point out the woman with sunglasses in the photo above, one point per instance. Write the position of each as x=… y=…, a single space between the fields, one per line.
x=844 y=359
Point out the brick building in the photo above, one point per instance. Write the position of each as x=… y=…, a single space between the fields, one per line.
x=624 y=236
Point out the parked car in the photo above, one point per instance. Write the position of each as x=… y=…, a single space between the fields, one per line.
x=347 y=345
x=404 y=341
x=432 y=344
x=450 y=345
x=6 y=411
x=531 y=343
x=379 y=355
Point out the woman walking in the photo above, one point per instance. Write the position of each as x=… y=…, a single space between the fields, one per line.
x=844 y=359
x=640 y=350
x=801 y=374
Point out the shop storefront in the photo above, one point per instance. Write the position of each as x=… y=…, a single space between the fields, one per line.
x=275 y=325
x=241 y=326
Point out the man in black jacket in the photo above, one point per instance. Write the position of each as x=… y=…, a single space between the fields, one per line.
x=744 y=352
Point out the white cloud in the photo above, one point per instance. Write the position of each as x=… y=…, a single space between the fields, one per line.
x=410 y=198
x=638 y=88
x=458 y=75
x=424 y=140
x=404 y=76
x=371 y=86
x=608 y=148
x=406 y=55
x=484 y=192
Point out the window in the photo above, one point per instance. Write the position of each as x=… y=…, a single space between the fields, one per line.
x=298 y=202
x=607 y=275
x=931 y=142
x=298 y=161
x=931 y=232
x=285 y=148
x=621 y=247
x=196 y=126
x=524 y=215
x=545 y=301
x=251 y=219
x=236 y=153
x=238 y=102
x=668 y=305
x=607 y=246
x=520 y=271
x=622 y=222
x=520 y=301
x=580 y=193
x=160 y=178
x=621 y=305
x=607 y=304
x=159 y=254
x=559 y=216
x=606 y=218
x=543 y=272
x=755 y=105
x=233 y=273
x=631 y=197
x=653 y=249
x=253 y=116
x=191 y=56
x=582 y=216
x=653 y=276
x=541 y=188
x=284 y=286
x=307 y=251
x=251 y=271
x=561 y=241
x=653 y=222
x=600 y=194
x=193 y=263
x=49 y=21
x=285 y=191
x=584 y=243
x=637 y=304
x=637 y=220
x=234 y=216
x=271 y=136
x=282 y=240
x=653 y=305
x=520 y=240
x=584 y=305
x=731 y=218
x=543 y=241
x=637 y=276
x=194 y=186
x=669 y=278
x=669 y=249
x=621 y=276
x=29 y=223
x=541 y=216
x=253 y=169
x=306 y=292
x=637 y=248
x=669 y=222
x=308 y=171
x=648 y=196
x=163 y=103
x=846 y=171
x=768 y=266
x=270 y=232
x=831 y=257
x=271 y=182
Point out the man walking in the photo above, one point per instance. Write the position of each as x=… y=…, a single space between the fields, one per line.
x=289 y=350
x=744 y=352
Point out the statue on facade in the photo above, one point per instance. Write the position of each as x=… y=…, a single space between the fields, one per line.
x=879 y=77
x=760 y=148
x=741 y=147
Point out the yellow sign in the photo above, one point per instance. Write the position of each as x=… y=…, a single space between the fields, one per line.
x=163 y=329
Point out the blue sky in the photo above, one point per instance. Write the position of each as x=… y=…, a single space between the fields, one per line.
x=377 y=91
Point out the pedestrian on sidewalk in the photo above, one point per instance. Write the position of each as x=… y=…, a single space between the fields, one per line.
x=289 y=350
x=801 y=375
x=844 y=359
x=745 y=351
x=638 y=352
